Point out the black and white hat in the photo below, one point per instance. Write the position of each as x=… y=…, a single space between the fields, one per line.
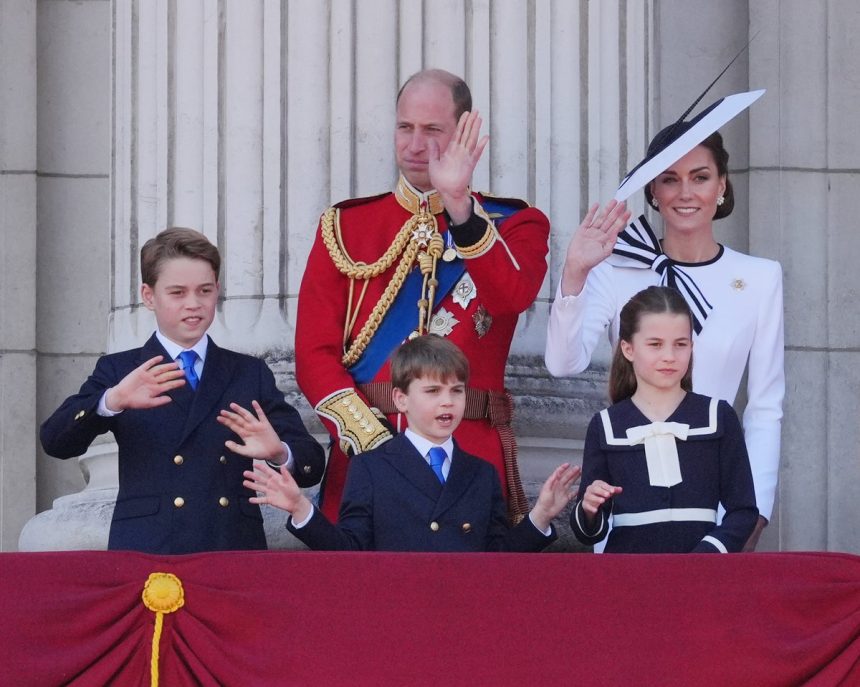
x=675 y=141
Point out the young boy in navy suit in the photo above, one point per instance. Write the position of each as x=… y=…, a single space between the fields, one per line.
x=420 y=491
x=181 y=450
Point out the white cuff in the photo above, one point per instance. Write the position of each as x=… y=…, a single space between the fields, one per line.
x=547 y=532
x=290 y=462
x=103 y=409
x=305 y=521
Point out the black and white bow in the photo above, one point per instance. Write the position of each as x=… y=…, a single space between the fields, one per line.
x=639 y=244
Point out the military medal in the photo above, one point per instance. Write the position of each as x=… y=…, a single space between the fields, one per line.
x=450 y=254
x=422 y=233
x=464 y=292
x=483 y=321
x=442 y=323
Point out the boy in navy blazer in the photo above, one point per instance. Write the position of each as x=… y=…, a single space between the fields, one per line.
x=420 y=491
x=180 y=459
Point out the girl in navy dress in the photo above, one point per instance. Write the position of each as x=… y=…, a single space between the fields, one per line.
x=662 y=459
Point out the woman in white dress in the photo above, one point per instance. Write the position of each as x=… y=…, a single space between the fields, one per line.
x=736 y=298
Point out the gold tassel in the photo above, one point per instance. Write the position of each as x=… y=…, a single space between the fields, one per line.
x=162 y=594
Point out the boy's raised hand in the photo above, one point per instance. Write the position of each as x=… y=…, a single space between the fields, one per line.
x=555 y=494
x=145 y=386
x=260 y=440
x=277 y=488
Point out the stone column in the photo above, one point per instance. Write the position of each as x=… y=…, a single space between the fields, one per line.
x=197 y=136
x=588 y=125
x=72 y=85
x=17 y=276
x=803 y=211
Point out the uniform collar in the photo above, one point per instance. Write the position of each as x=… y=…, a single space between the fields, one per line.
x=415 y=201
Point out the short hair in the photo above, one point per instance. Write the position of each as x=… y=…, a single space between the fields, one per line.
x=714 y=143
x=653 y=300
x=428 y=356
x=176 y=242
x=460 y=93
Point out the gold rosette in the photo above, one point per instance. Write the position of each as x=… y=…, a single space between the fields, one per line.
x=162 y=594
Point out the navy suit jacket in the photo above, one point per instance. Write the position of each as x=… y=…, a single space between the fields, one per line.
x=394 y=502
x=180 y=489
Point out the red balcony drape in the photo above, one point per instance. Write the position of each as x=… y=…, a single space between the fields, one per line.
x=281 y=618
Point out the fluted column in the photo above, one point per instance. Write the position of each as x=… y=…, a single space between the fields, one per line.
x=198 y=131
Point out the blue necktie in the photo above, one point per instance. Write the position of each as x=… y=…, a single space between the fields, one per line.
x=437 y=458
x=188 y=359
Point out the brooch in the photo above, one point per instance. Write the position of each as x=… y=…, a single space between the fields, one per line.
x=738 y=284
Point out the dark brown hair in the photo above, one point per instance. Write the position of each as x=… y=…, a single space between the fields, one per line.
x=176 y=242
x=653 y=300
x=428 y=356
x=714 y=143
x=460 y=93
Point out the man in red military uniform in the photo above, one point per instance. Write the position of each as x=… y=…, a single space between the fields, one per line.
x=431 y=257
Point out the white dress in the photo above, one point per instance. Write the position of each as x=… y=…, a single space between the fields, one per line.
x=745 y=324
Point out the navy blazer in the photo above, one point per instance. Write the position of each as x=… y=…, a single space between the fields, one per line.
x=393 y=501
x=180 y=489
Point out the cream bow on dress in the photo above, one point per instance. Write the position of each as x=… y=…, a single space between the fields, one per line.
x=661 y=451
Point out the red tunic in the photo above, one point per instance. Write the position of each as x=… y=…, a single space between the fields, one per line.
x=507 y=276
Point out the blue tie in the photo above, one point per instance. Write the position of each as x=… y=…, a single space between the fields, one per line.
x=437 y=458
x=188 y=359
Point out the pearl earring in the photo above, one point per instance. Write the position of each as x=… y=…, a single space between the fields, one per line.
x=654 y=202
x=720 y=200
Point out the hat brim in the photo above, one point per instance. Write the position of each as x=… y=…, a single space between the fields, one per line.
x=717 y=115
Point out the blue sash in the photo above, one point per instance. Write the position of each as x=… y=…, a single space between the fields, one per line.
x=402 y=317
